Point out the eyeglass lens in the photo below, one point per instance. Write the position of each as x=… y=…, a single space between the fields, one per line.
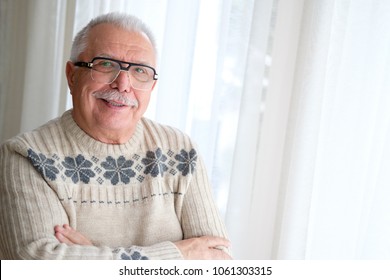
x=106 y=71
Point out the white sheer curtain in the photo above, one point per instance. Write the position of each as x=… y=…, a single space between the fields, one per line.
x=34 y=45
x=335 y=179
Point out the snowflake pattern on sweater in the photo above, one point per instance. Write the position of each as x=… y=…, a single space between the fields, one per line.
x=121 y=170
x=130 y=254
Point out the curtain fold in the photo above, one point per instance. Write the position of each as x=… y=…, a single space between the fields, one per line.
x=32 y=54
x=246 y=203
x=337 y=142
x=44 y=56
x=12 y=55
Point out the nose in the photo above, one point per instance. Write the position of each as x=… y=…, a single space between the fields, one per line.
x=122 y=82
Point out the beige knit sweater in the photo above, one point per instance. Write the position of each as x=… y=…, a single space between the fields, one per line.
x=132 y=200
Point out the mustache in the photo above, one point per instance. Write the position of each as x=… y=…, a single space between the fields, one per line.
x=116 y=96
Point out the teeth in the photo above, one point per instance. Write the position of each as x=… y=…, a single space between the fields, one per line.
x=115 y=104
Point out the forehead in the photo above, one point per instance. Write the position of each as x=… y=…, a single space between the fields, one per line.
x=119 y=43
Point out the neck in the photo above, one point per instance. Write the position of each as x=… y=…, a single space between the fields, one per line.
x=111 y=137
x=107 y=135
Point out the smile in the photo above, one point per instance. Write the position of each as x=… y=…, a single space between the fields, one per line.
x=116 y=99
x=113 y=103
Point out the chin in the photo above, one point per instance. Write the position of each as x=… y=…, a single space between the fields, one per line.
x=124 y=123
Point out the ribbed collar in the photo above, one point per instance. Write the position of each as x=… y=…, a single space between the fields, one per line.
x=85 y=142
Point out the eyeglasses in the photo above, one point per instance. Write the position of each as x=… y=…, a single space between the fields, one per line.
x=106 y=70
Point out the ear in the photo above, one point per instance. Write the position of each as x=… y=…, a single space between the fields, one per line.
x=155 y=82
x=70 y=74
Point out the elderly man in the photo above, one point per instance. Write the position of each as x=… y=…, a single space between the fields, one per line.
x=101 y=181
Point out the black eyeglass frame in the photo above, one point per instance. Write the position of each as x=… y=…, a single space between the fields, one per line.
x=120 y=62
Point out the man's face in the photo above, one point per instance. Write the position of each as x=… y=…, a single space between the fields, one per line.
x=102 y=120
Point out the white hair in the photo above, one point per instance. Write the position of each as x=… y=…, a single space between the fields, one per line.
x=125 y=21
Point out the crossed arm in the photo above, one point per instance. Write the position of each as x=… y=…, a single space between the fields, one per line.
x=205 y=247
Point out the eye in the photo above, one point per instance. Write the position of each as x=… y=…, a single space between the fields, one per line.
x=140 y=70
x=104 y=65
x=140 y=73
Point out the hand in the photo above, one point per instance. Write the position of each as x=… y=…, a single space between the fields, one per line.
x=204 y=248
x=68 y=235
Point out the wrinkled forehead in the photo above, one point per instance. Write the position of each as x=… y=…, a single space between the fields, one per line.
x=120 y=43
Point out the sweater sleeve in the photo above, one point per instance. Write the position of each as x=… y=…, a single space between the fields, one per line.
x=29 y=210
x=200 y=215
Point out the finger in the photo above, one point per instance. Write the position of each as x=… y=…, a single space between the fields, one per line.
x=62 y=239
x=75 y=236
x=213 y=241
x=72 y=235
x=57 y=228
x=219 y=254
x=64 y=228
